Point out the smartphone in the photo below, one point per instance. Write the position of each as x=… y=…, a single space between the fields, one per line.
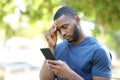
x=47 y=53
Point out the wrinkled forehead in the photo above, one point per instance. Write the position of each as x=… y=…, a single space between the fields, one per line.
x=63 y=20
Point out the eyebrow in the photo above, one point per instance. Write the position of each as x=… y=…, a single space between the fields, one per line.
x=65 y=24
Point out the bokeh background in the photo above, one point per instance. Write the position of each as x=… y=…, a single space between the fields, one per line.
x=23 y=24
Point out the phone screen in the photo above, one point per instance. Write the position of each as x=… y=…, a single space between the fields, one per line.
x=47 y=53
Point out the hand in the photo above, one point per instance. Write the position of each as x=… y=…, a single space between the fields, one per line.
x=60 y=68
x=51 y=37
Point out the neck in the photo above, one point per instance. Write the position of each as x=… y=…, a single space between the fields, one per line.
x=81 y=37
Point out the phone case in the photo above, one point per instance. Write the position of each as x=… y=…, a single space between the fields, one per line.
x=47 y=53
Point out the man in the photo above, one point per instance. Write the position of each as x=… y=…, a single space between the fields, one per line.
x=78 y=57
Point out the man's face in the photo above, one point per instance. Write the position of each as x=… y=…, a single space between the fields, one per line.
x=67 y=27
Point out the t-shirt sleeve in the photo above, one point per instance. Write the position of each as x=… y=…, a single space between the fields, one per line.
x=101 y=63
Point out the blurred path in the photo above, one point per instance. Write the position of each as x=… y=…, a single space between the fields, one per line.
x=116 y=70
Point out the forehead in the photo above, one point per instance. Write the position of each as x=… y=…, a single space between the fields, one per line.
x=63 y=20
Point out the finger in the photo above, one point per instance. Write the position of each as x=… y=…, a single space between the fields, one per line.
x=47 y=34
x=54 y=25
x=48 y=38
x=54 y=62
x=54 y=67
x=53 y=29
x=55 y=71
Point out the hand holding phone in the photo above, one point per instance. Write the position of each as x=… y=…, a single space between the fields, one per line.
x=47 y=53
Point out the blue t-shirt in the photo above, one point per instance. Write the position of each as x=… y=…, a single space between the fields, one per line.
x=88 y=58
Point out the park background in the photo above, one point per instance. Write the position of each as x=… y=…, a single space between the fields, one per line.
x=23 y=24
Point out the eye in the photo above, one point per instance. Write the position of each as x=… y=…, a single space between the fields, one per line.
x=65 y=26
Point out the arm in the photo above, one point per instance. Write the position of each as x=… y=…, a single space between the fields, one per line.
x=101 y=65
x=45 y=73
x=51 y=37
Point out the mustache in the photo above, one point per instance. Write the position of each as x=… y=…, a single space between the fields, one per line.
x=65 y=36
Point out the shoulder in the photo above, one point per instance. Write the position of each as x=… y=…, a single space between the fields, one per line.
x=62 y=44
x=99 y=51
x=91 y=41
x=101 y=62
x=103 y=50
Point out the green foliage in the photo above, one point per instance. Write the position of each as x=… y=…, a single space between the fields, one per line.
x=33 y=17
x=106 y=16
x=105 y=12
x=31 y=12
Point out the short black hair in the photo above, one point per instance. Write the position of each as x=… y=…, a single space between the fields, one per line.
x=65 y=10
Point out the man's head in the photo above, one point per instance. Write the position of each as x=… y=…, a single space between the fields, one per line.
x=65 y=10
x=67 y=23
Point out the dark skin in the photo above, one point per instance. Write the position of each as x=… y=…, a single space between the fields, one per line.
x=68 y=27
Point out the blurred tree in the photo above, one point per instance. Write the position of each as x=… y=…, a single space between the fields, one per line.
x=31 y=17
x=18 y=15
x=106 y=16
x=105 y=13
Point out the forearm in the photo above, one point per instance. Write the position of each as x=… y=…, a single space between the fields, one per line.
x=52 y=49
x=45 y=73
x=74 y=76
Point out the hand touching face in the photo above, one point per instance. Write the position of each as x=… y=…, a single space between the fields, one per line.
x=51 y=36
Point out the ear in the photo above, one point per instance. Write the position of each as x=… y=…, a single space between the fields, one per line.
x=77 y=19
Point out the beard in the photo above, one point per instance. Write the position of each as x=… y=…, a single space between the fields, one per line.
x=75 y=34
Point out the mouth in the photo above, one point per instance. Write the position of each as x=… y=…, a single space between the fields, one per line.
x=67 y=38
